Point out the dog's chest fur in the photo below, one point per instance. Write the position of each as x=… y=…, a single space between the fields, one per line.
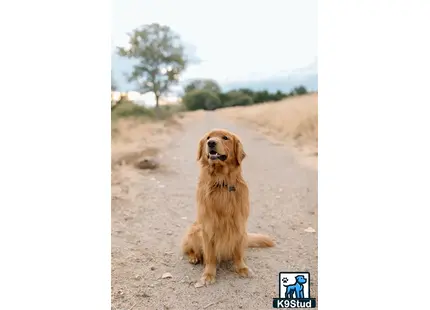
x=223 y=216
x=223 y=206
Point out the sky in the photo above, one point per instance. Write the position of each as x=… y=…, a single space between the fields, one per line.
x=235 y=40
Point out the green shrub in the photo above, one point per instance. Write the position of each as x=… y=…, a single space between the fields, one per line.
x=129 y=109
x=201 y=99
x=301 y=90
x=203 y=84
x=279 y=95
x=126 y=108
x=261 y=96
x=247 y=91
x=173 y=108
x=237 y=98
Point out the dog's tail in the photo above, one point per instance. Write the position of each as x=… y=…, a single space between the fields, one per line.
x=259 y=241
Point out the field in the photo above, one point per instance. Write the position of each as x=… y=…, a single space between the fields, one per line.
x=293 y=121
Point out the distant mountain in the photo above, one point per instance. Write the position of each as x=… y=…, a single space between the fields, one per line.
x=282 y=83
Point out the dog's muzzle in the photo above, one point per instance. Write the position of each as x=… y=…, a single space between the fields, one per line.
x=214 y=155
x=212 y=151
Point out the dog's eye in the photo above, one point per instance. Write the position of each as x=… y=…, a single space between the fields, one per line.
x=225 y=137
x=208 y=138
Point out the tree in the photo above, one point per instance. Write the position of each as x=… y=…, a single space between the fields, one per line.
x=160 y=58
x=203 y=84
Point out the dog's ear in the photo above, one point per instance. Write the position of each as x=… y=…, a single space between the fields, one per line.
x=200 y=148
x=238 y=150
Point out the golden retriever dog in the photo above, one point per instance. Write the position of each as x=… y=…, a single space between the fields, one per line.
x=220 y=231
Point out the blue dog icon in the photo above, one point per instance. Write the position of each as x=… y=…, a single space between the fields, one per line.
x=294 y=290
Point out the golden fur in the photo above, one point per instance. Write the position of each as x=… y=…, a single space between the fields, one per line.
x=220 y=231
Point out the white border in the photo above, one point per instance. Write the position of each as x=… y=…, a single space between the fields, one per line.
x=374 y=154
x=55 y=155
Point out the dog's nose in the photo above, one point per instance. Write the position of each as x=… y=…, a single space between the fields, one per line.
x=211 y=143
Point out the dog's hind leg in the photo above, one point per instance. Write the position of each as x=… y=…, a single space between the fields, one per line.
x=194 y=258
x=192 y=244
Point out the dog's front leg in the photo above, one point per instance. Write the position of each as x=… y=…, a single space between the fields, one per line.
x=238 y=259
x=209 y=258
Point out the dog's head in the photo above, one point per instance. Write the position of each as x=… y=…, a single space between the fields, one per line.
x=300 y=279
x=220 y=147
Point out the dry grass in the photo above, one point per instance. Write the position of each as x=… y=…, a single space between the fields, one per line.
x=141 y=136
x=293 y=120
x=136 y=138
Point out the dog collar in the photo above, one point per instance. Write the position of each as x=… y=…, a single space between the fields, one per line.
x=231 y=188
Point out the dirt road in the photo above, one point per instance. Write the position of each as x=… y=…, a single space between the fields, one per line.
x=146 y=233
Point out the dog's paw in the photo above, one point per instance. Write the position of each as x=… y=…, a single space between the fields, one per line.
x=207 y=278
x=244 y=272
